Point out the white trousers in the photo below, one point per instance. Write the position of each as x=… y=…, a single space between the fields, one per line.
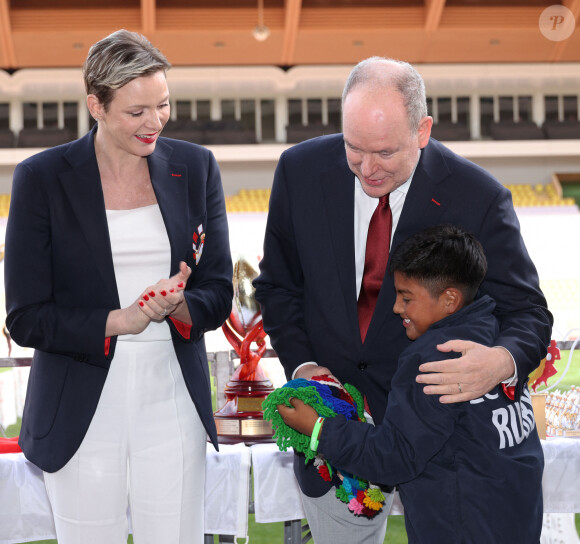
x=145 y=448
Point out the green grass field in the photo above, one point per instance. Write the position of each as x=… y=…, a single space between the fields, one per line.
x=271 y=533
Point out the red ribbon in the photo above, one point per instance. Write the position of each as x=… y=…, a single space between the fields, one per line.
x=9 y=445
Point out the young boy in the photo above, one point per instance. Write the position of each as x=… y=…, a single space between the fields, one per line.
x=468 y=472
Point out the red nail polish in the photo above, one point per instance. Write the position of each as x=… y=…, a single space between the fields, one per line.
x=145 y=297
x=163 y=293
x=172 y=290
x=180 y=284
x=141 y=303
x=151 y=293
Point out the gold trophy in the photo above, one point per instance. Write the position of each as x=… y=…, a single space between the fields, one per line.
x=241 y=417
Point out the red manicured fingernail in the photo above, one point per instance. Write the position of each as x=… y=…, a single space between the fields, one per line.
x=141 y=304
x=180 y=284
x=151 y=293
x=163 y=293
x=145 y=297
x=172 y=290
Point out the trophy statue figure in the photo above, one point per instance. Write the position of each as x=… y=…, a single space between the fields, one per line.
x=241 y=417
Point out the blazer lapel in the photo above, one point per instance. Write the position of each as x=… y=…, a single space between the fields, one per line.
x=170 y=185
x=424 y=206
x=83 y=187
x=338 y=201
x=427 y=199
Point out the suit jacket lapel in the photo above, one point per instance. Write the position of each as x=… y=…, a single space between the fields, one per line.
x=427 y=199
x=170 y=185
x=83 y=187
x=424 y=206
x=338 y=201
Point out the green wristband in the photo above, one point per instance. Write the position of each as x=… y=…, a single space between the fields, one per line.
x=315 y=433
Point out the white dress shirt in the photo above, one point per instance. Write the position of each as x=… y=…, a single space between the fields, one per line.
x=364 y=207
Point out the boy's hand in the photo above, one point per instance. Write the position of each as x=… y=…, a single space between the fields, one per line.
x=301 y=418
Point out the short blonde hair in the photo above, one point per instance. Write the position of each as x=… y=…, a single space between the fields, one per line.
x=116 y=60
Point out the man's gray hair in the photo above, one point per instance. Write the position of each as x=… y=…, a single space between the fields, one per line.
x=378 y=73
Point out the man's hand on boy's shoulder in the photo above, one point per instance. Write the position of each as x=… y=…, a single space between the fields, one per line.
x=475 y=373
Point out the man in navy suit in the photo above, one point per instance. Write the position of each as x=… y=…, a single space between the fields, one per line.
x=324 y=193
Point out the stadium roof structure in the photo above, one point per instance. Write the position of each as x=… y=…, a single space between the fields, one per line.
x=37 y=33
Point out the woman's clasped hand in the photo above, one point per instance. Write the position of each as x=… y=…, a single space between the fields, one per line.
x=166 y=296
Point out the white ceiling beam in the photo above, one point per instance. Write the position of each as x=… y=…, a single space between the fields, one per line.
x=291 y=25
x=560 y=47
x=433 y=13
x=148 y=17
x=6 y=42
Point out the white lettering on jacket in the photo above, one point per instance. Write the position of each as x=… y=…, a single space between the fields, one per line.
x=515 y=422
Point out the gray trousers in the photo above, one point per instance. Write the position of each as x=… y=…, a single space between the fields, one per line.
x=331 y=522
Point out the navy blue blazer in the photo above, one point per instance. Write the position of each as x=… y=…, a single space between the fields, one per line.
x=307 y=287
x=458 y=466
x=60 y=282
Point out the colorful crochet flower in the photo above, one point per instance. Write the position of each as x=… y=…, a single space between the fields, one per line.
x=329 y=398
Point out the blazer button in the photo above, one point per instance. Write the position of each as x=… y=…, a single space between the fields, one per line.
x=362 y=365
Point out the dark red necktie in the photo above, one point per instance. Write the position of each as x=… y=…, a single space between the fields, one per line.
x=376 y=257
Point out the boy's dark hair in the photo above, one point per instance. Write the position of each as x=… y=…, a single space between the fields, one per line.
x=440 y=257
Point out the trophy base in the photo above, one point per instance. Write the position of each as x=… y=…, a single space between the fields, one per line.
x=246 y=429
x=241 y=417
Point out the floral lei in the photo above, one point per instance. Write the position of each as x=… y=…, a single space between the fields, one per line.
x=329 y=398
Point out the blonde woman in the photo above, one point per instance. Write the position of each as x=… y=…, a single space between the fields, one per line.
x=117 y=261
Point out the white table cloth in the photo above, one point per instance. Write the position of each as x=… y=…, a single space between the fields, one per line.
x=25 y=513
x=276 y=494
x=561 y=481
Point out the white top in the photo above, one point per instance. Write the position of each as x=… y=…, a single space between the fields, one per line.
x=141 y=257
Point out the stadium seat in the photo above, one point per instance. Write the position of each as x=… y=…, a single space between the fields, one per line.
x=299 y=133
x=186 y=130
x=512 y=130
x=525 y=195
x=44 y=137
x=4 y=204
x=563 y=130
x=7 y=138
x=227 y=133
x=209 y=132
x=248 y=200
x=450 y=132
